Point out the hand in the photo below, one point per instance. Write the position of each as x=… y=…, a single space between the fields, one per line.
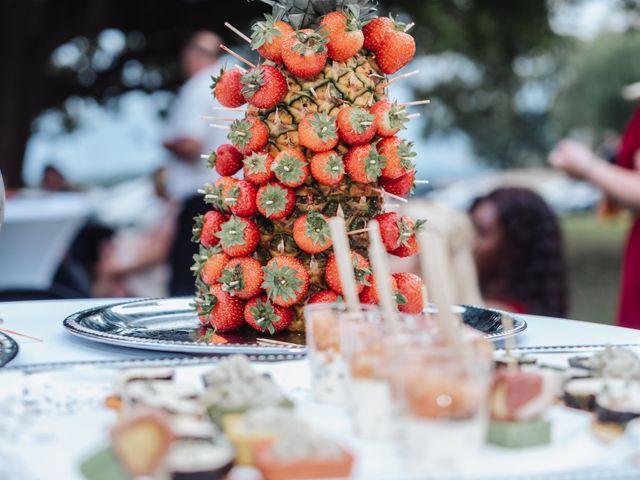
x=573 y=158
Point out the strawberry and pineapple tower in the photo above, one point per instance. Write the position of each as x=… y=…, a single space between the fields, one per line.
x=319 y=138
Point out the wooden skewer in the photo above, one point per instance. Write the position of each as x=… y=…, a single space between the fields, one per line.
x=13 y=332
x=270 y=341
x=224 y=127
x=378 y=257
x=243 y=70
x=204 y=157
x=345 y=266
x=403 y=76
x=396 y=197
x=421 y=182
x=237 y=32
x=413 y=115
x=392 y=205
x=239 y=57
x=213 y=117
x=417 y=102
x=409 y=27
x=355 y=232
x=227 y=109
x=509 y=342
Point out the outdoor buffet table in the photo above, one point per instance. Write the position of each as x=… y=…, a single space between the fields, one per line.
x=63 y=439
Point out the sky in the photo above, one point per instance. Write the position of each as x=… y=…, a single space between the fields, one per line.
x=115 y=144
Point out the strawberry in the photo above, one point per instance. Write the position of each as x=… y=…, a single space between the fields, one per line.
x=286 y=281
x=345 y=36
x=370 y=296
x=248 y=134
x=304 y=52
x=397 y=50
x=238 y=236
x=223 y=311
x=401 y=186
x=361 y=271
x=356 y=125
x=291 y=167
x=275 y=201
x=390 y=117
x=325 y=296
x=363 y=163
x=207 y=226
x=264 y=86
x=375 y=31
x=226 y=88
x=410 y=287
x=226 y=161
x=318 y=132
x=242 y=199
x=327 y=168
x=311 y=233
x=267 y=37
x=216 y=194
x=264 y=316
x=257 y=167
x=242 y=277
x=399 y=233
x=398 y=154
x=209 y=263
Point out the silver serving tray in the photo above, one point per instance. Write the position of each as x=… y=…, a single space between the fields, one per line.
x=171 y=325
x=8 y=349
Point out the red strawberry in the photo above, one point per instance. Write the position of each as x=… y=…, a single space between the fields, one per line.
x=363 y=163
x=257 y=167
x=361 y=271
x=325 y=296
x=264 y=316
x=374 y=32
x=217 y=193
x=399 y=233
x=242 y=199
x=242 y=277
x=304 y=52
x=207 y=226
x=209 y=263
x=390 y=117
x=275 y=201
x=410 y=287
x=286 y=281
x=291 y=167
x=370 y=296
x=238 y=236
x=401 y=186
x=226 y=88
x=327 y=168
x=248 y=135
x=345 y=36
x=264 y=86
x=397 y=50
x=318 y=132
x=226 y=161
x=311 y=233
x=398 y=154
x=356 y=126
x=267 y=37
x=223 y=311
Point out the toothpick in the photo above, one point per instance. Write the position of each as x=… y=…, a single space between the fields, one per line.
x=413 y=115
x=13 y=332
x=396 y=197
x=342 y=252
x=417 y=102
x=213 y=117
x=204 y=157
x=243 y=70
x=355 y=232
x=223 y=127
x=392 y=205
x=237 y=32
x=239 y=57
x=378 y=257
x=270 y=341
x=227 y=109
x=403 y=76
x=409 y=27
x=509 y=342
x=421 y=182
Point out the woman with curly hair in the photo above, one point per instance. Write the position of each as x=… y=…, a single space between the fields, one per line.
x=519 y=253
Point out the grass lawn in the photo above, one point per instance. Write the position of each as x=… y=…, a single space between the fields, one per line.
x=594 y=249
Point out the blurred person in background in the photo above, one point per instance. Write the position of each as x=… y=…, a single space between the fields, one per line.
x=620 y=182
x=519 y=253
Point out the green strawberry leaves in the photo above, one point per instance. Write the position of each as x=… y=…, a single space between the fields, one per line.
x=282 y=282
x=265 y=315
x=361 y=273
x=290 y=169
x=273 y=199
x=334 y=167
x=317 y=228
x=232 y=232
x=264 y=32
x=360 y=119
x=406 y=154
x=232 y=279
x=256 y=163
x=397 y=116
x=252 y=81
x=240 y=133
x=374 y=163
x=324 y=126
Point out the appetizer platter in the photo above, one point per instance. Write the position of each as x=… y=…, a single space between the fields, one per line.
x=8 y=349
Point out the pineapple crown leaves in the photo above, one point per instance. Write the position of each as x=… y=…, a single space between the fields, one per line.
x=311 y=43
x=265 y=315
x=240 y=133
x=360 y=119
x=361 y=273
x=232 y=279
x=232 y=232
x=281 y=281
x=406 y=153
x=305 y=13
x=289 y=169
x=273 y=199
x=352 y=12
x=406 y=230
x=398 y=116
x=256 y=163
x=334 y=166
x=324 y=126
x=317 y=228
x=264 y=32
x=252 y=81
x=374 y=163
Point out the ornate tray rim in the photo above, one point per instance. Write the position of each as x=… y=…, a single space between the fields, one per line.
x=8 y=349
x=260 y=352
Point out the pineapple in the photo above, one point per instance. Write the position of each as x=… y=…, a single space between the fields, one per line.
x=357 y=82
